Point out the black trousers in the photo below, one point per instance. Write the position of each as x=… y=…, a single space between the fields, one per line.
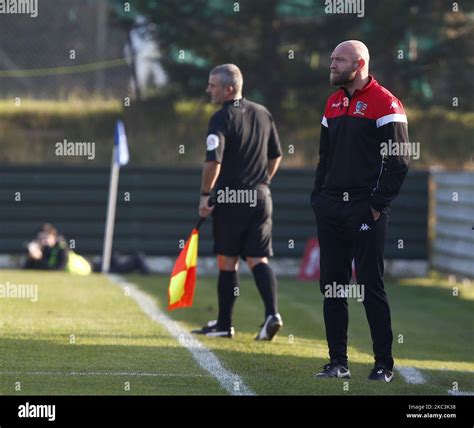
x=346 y=231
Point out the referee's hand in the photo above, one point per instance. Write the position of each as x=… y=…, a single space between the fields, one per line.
x=204 y=207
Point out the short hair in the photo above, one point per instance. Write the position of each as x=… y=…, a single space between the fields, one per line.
x=49 y=229
x=230 y=75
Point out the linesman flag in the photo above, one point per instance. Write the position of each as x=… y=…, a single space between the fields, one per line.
x=183 y=278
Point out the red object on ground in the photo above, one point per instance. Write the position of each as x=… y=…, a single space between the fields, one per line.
x=309 y=270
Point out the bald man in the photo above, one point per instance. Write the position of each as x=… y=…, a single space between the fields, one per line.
x=354 y=185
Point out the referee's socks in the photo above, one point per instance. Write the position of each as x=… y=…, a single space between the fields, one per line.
x=267 y=286
x=227 y=293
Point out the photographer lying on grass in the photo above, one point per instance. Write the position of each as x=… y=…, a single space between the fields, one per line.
x=49 y=251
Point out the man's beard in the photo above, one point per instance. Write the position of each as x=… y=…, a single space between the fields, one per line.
x=343 y=78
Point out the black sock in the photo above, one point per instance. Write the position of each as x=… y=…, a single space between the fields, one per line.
x=267 y=286
x=227 y=292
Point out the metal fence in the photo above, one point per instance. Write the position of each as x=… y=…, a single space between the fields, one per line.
x=453 y=249
x=70 y=48
x=157 y=207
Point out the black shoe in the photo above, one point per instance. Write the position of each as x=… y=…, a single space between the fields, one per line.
x=213 y=330
x=270 y=327
x=382 y=374
x=334 y=369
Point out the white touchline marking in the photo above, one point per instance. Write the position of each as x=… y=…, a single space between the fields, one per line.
x=231 y=382
x=43 y=373
x=411 y=375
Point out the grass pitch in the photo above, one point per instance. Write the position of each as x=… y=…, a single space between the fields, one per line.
x=85 y=336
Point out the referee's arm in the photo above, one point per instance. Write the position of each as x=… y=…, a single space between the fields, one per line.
x=210 y=173
x=215 y=145
x=274 y=154
x=272 y=166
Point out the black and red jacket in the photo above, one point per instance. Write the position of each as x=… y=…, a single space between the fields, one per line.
x=351 y=164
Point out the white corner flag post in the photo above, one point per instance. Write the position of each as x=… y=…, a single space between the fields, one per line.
x=120 y=157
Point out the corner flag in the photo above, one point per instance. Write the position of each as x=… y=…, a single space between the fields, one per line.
x=120 y=139
x=120 y=157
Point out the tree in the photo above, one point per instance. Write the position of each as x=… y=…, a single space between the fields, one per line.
x=283 y=46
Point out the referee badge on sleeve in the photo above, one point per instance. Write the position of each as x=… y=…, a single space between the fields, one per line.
x=212 y=142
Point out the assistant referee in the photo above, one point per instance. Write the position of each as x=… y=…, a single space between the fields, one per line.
x=354 y=186
x=243 y=153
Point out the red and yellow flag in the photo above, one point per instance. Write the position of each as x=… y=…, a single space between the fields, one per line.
x=183 y=278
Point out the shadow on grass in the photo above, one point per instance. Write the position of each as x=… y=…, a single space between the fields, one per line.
x=428 y=323
x=45 y=367
x=48 y=368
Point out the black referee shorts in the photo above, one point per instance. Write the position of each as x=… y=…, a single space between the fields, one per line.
x=241 y=229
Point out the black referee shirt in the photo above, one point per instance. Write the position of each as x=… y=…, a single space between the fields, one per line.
x=242 y=137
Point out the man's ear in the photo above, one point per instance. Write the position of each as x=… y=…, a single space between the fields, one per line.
x=361 y=64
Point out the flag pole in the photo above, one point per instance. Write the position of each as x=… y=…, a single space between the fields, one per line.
x=200 y=222
x=210 y=203
x=110 y=222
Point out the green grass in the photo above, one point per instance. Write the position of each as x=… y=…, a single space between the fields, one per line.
x=437 y=331
x=113 y=337
x=28 y=131
x=74 y=107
